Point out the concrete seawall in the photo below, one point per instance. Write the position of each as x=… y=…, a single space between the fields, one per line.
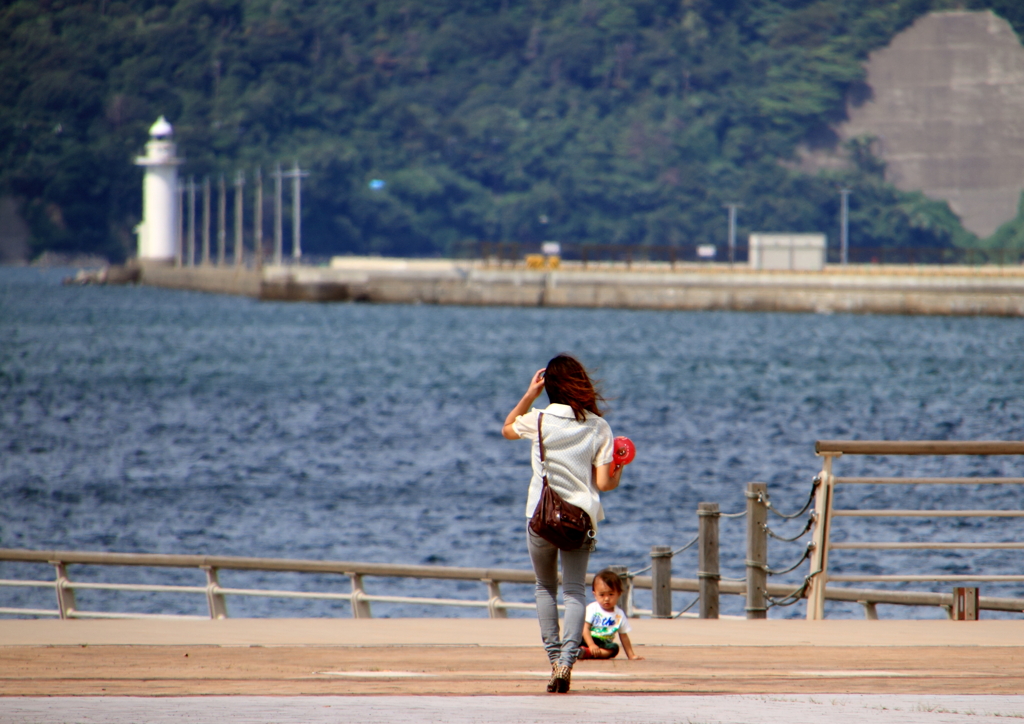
x=218 y=280
x=986 y=291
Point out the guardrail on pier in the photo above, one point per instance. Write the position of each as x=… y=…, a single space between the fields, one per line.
x=707 y=586
x=819 y=578
x=709 y=583
x=216 y=594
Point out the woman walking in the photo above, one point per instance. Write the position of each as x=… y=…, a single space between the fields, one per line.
x=572 y=449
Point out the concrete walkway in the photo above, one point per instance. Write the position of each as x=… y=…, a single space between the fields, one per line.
x=772 y=709
x=503 y=632
x=428 y=657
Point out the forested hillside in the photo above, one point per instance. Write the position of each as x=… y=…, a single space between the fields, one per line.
x=588 y=121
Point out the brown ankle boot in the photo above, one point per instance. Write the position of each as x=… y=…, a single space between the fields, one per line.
x=552 y=683
x=560 y=677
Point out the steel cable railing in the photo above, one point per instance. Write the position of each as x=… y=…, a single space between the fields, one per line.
x=794 y=539
x=804 y=557
x=810 y=500
x=760 y=600
x=677 y=551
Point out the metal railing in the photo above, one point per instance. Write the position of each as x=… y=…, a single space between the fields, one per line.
x=825 y=512
x=216 y=594
x=360 y=600
x=760 y=595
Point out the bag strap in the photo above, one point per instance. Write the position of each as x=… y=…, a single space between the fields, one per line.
x=540 y=442
x=540 y=436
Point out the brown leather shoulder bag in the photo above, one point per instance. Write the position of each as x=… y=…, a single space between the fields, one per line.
x=562 y=524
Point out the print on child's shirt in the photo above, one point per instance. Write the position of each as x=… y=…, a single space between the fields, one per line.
x=606 y=624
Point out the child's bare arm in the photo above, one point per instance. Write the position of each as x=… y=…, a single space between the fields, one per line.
x=588 y=639
x=628 y=647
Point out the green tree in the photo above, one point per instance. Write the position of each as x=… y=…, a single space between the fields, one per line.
x=1006 y=245
x=589 y=121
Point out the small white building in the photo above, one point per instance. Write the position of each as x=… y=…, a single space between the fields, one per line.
x=158 y=232
x=788 y=252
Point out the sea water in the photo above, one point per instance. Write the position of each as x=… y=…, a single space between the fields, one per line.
x=136 y=419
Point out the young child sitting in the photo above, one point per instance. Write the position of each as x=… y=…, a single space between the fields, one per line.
x=604 y=619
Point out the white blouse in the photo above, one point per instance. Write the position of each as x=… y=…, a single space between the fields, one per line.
x=572 y=449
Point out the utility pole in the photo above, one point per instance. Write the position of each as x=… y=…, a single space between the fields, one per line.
x=732 y=229
x=844 y=227
x=257 y=236
x=296 y=175
x=239 y=245
x=222 y=210
x=191 y=221
x=179 y=257
x=206 y=220
x=278 y=212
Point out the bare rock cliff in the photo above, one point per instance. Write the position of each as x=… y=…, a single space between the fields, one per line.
x=945 y=101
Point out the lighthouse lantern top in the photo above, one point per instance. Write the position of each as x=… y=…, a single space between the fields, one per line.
x=161 y=129
x=160 y=149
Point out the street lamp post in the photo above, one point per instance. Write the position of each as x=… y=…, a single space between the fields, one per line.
x=296 y=175
x=278 y=229
x=732 y=230
x=844 y=224
x=239 y=242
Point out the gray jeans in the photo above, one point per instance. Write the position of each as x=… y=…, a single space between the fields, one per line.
x=574 y=573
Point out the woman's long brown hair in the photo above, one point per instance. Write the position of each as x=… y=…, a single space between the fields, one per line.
x=567 y=383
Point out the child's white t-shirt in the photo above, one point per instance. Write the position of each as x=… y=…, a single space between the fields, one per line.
x=603 y=624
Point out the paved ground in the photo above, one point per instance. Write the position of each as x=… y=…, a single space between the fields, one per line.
x=478 y=670
x=770 y=709
x=992 y=634
x=481 y=670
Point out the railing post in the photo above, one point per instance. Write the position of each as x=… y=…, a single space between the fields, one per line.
x=870 y=610
x=493 y=599
x=65 y=594
x=360 y=607
x=626 y=601
x=819 y=555
x=965 y=604
x=757 y=550
x=707 y=573
x=214 y=599
x=661 y=581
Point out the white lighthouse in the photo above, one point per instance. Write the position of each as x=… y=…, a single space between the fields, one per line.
x=159 y=229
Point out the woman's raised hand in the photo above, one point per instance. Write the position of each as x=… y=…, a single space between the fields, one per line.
x=532 y=393
x=536 y=384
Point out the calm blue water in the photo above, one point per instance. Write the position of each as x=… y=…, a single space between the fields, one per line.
x=137 y=419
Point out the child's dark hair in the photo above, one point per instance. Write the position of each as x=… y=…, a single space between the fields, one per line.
x=610 y=579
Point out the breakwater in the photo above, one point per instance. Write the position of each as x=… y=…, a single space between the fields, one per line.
x=870 y=289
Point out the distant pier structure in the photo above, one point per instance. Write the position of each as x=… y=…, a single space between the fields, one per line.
x=158 y=231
